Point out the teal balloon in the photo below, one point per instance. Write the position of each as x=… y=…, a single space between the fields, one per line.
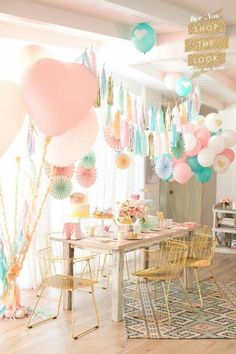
x=204 y=175
x=194 y=164
x=183 y=86
x=143 y=37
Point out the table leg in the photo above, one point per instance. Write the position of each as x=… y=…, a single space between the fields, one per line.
x=68 y=252
x=187 y=273
x=117 y=285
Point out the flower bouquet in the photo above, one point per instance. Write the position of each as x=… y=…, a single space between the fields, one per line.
x=130 y=211
x=224 y=202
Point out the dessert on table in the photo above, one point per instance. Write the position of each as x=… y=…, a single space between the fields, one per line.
x=78 y=205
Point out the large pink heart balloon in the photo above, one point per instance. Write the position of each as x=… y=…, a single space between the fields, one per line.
x=76 y=143
x=58 y=95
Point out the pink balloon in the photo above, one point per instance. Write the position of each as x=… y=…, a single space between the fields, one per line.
x=58 y=95
x=228 y=153
x=74 y=144
x=189 y=128
x=182 y=159
x=182 y=172
x=203 y=135
x=196 y=150
x=170 y=80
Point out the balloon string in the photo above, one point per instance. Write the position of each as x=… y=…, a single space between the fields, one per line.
x=37 y=185
x=16 y=196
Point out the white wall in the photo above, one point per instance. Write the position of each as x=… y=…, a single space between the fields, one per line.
x=226 y=182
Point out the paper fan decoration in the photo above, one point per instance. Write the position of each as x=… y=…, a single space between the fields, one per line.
x=178 y=148
x=61 y=187
x=86 y=178
x=123 y=161
x=89 y=160
x=164 y=167
x=67 y=171
x=113 y=142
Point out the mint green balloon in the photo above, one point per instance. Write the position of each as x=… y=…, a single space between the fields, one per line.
x=194 y=164
x=143 y=37
x=204 y=175
x=183 y=86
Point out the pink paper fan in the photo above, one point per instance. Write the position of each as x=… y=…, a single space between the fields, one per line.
x=113 y=142
x=67 y=171
x=86 y=178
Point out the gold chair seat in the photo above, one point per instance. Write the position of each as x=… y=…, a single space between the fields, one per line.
x=158 y=274
x=67 y=282
x=197 y=263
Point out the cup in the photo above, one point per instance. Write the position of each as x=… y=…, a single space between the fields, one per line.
x=91 y=231
x=120 y=236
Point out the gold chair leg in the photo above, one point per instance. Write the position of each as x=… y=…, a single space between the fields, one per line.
x=166 y=301
x=186 y=295
x=30 y=325
x=198 y=287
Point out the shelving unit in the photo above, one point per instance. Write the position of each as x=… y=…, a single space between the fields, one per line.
x=219 y=230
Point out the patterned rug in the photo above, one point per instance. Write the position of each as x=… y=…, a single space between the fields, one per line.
x=216 y=320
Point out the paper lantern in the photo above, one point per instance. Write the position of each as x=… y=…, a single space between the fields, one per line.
x=230 y=137
x=164 y=167
x=183 y=86
x=114 y=143
x=190 y=141
x=221 y=163
x=204 y=175
x=217 y=143
x=182 y=173
x=89 y=160
x=86 y=178
x=194 y=164
x=213 y=122
x=196 y=150
x=229 y=154
x=61 y=187
x=170 y=80
x=67 y=171
x=206 y=157
x=203 y=135
x=143 y=37
x=123 y=161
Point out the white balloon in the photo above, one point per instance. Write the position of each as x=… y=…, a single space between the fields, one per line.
x=221 y=164
x=190 y=141
x=213 y=122
x=206 y=157
x=230 y=137
x=170 y=80
x=217 y=143
x=68 y=148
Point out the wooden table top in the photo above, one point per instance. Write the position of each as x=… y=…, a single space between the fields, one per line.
x=107 y=243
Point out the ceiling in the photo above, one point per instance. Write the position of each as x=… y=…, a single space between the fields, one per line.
x=108 y=23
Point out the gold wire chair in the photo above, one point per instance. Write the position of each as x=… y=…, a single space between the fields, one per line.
x=201 y=254
x=54 y=273
x=163 y=266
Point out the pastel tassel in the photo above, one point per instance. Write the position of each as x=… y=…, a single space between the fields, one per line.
x=125 y=136
x=135 y=116
x=85 y=59
x=150 y=150
x=152 y=118
x=109 y=116
x=197 y=99
x=110 y=97
x=143 y=143
x=176 y=118
x=138 y=146
x=143 y=119
x=103 y=83
x=98 y=98
x=188 y=108
x=160 y=121
x=128 y=107
x=121 y=99
x=157 y=144
x=173 y=135
x=116 y=125
x=183 y=113
x=93 y=62
x=168 y=118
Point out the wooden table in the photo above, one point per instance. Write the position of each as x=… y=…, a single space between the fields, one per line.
x=118 y=248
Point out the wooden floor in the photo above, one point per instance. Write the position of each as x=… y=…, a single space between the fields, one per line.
x=54 y=336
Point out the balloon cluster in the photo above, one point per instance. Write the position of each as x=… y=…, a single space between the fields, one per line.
x=198 y=150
